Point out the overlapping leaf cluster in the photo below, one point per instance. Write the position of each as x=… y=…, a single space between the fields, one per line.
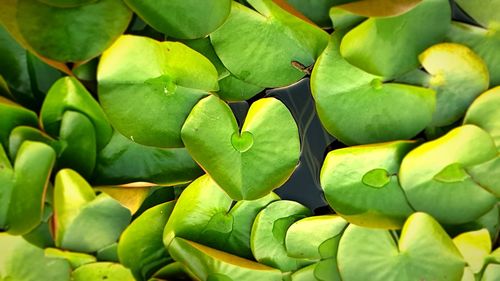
x=121 y=158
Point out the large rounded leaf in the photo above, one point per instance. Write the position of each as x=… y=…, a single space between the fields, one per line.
x=210 y=264
x=204 y=213
x=102 y=271
x=387 y=46
x=247 y=164
x=148 y=88
x=484 y=113
x=183 y=19
x=343 y=93
x=59 y=33
x=435 y=179
x=22 y=261
x=423 y=252
x=361 y=184
x=123 y=161
x=269 y=234
x=261 y=47
x=458 y=76
x=141 y=247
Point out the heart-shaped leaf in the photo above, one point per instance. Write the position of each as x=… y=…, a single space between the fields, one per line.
x=484 y=113
x=85 y=222
x=435 y=179
x=387 y=46
x=123 y=161
x=102 y=271
x=484 y=42
x=269 y=233
x=22 y=261
x=423 y=252
x=343 y=92
x=183 y=19
x=204 y=213
x=58 y=33
x=141 y=247
x=209 y=264
x=361 y=184
x=265 y=32
x=168 y=78
x=458 y=76
x=23 y=186
x=250 y=164
x=315 y=237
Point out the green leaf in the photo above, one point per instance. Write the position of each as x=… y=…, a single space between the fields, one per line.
x=315 y=237
x=83 y=221
x=484 y=42
x=361 y=184
x=387 y=46
x=485 y=12
x=432 y=177
x=474 y=246
x=424 y=252
x=484 y=113
x=102 y=271
x=343 y=92
x=183 y=19
x=167 y=78
x=379 y=8
x=204 y=213
x=269 y=231
x=458 y=76
x=124 y=161
x=209 y=264
x=250 y=44
x=246 y=168
x=23 y=187
x=316 y=10
x=141 y=246
x=59 y=33
x=68 y=94
x=13 y=115
x=75 y=259
x=22 y=261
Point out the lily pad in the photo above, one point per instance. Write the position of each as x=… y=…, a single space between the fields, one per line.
x=474 y=246
x=423 y=252
x=386 y=46
x=102 y=271
x=75 y=259
x=316 y=10
x=484 y=42
x=180 y=18
x=123 y=161
x=458 y=76
x=167 y=78
x=59 y=33
x=24 y=186
x=484 y=113
x=343 y=92
x=246 y=163
x=485 y=12
x=324 y=270
x=83 y=221
x=315 y=237
x=269 y=235
x=204 y=213
x=361 y=184
x=22 y=261
x=210 y=264
x=141 y=247
x=14 y=115
x=435 y=179
x=250 y=44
